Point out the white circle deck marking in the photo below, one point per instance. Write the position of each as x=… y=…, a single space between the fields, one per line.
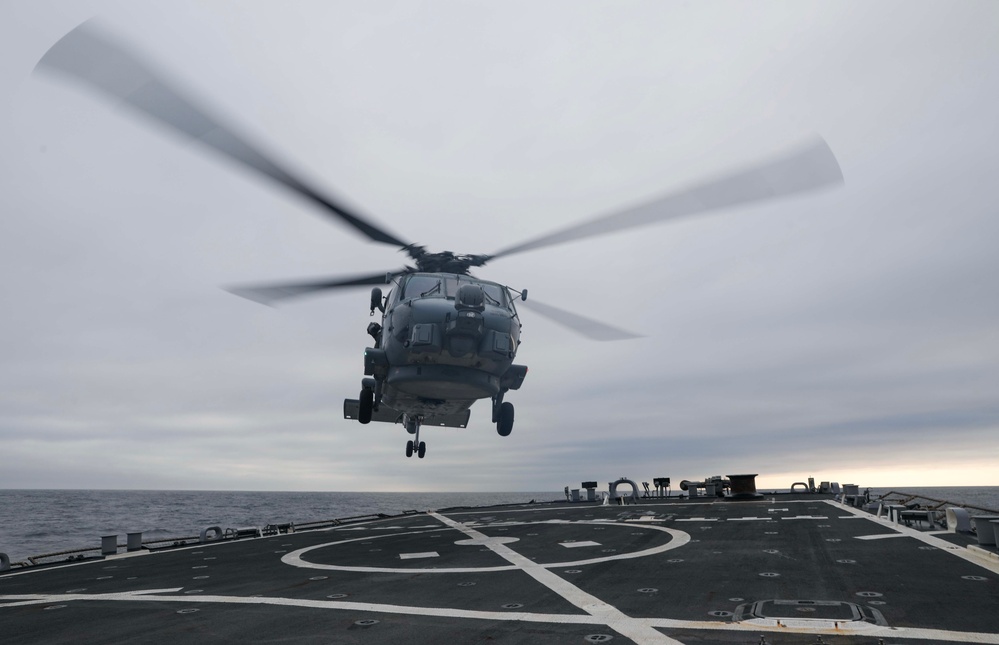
x=630 y=627
x=296 y=559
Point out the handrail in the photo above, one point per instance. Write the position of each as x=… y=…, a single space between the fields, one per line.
x=79 y=554
x=908 y=497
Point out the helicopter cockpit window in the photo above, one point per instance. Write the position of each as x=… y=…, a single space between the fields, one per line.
x=422 y=286
x=494 y=294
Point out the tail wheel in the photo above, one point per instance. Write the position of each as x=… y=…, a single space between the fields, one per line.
x=366 y=404
x=409 y=448
x=422 y=450
x=504 y=426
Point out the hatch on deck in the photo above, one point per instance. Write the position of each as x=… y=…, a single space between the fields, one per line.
x=826 y=611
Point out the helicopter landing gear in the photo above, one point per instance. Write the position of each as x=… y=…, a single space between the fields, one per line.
x=504 y=419
x=420 y=449
x=369 y=399
x=414 y=444
x=502 y=415
x=366 y=404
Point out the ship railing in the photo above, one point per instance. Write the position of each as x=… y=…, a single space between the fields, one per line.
x=938 y=507
x=72 y=555
x=76 y=555
x=322 y=524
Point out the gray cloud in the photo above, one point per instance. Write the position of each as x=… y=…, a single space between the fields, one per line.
x=845 y=331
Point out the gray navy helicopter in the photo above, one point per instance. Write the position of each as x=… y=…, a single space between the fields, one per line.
x=446 y=338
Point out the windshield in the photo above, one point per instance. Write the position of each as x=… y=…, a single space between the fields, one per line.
x=423 y=286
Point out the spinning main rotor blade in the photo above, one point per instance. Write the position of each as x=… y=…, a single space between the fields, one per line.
x=808 y=168
x=592 y=329
x=92 y=58
x=272 y=293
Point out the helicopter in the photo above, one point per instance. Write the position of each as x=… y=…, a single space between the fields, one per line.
x=446 y=338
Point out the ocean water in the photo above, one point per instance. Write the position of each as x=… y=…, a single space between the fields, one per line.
x=33 y=522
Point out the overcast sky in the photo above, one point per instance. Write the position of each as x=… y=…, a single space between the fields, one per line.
x=848 y=334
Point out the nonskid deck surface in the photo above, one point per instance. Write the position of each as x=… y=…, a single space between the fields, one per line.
x=785 y=570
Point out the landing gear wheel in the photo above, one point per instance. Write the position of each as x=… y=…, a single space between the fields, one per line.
x=366 y=404
x=414 y=444
x=504 y=424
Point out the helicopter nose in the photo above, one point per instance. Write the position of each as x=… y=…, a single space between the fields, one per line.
x=463 y=333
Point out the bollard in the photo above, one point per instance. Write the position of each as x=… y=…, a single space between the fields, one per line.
x=134 y=542
x=4 y=562
x=983 y=529
x=109 y=544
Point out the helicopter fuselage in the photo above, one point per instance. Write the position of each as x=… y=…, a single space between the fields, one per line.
x=445 y=341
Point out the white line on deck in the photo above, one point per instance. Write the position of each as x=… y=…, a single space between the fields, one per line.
x=632 y=628
x=880 y=536
x=416 y=556
x=926 y=538
x=156 y=595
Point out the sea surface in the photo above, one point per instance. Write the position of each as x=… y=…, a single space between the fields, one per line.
x=35 y=522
